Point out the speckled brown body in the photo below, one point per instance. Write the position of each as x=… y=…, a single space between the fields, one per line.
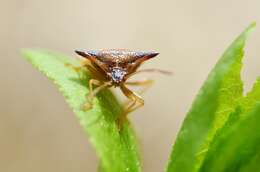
x=117 y=64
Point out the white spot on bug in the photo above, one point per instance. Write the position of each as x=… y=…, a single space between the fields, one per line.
x=117 y=74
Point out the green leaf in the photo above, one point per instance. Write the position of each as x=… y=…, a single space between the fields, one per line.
x=253 y=164
x=210 y=110
x=237 y=146
x=252 y=97
x=117 y=151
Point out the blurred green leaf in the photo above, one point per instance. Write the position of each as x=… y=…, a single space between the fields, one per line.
x=236 y=146
x=218 y=97
x=117 y=151
x=253 y=164
x=251 y=98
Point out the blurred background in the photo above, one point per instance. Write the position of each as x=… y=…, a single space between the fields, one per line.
x=38 y=131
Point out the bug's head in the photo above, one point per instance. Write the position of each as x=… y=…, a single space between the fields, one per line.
x=117 y=75
x=118 y=65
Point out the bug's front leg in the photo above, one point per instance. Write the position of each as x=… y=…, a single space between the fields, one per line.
x=146 y=84
x=136 y=102
x=92 y=92
x=90 y=96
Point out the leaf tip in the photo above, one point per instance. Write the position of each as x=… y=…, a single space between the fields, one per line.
x=25 y=53
x=250 y=28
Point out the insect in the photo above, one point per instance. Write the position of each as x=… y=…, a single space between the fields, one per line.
x=114 y=67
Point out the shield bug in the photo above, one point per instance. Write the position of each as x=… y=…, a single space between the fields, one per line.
x=114 y=67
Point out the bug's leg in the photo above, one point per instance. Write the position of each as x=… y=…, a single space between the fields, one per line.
x=145 y=84
x=77 y=69
x=164 y=72
x=93 y=92
x=90 y=96
x=136 y=102
x=83 y=63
